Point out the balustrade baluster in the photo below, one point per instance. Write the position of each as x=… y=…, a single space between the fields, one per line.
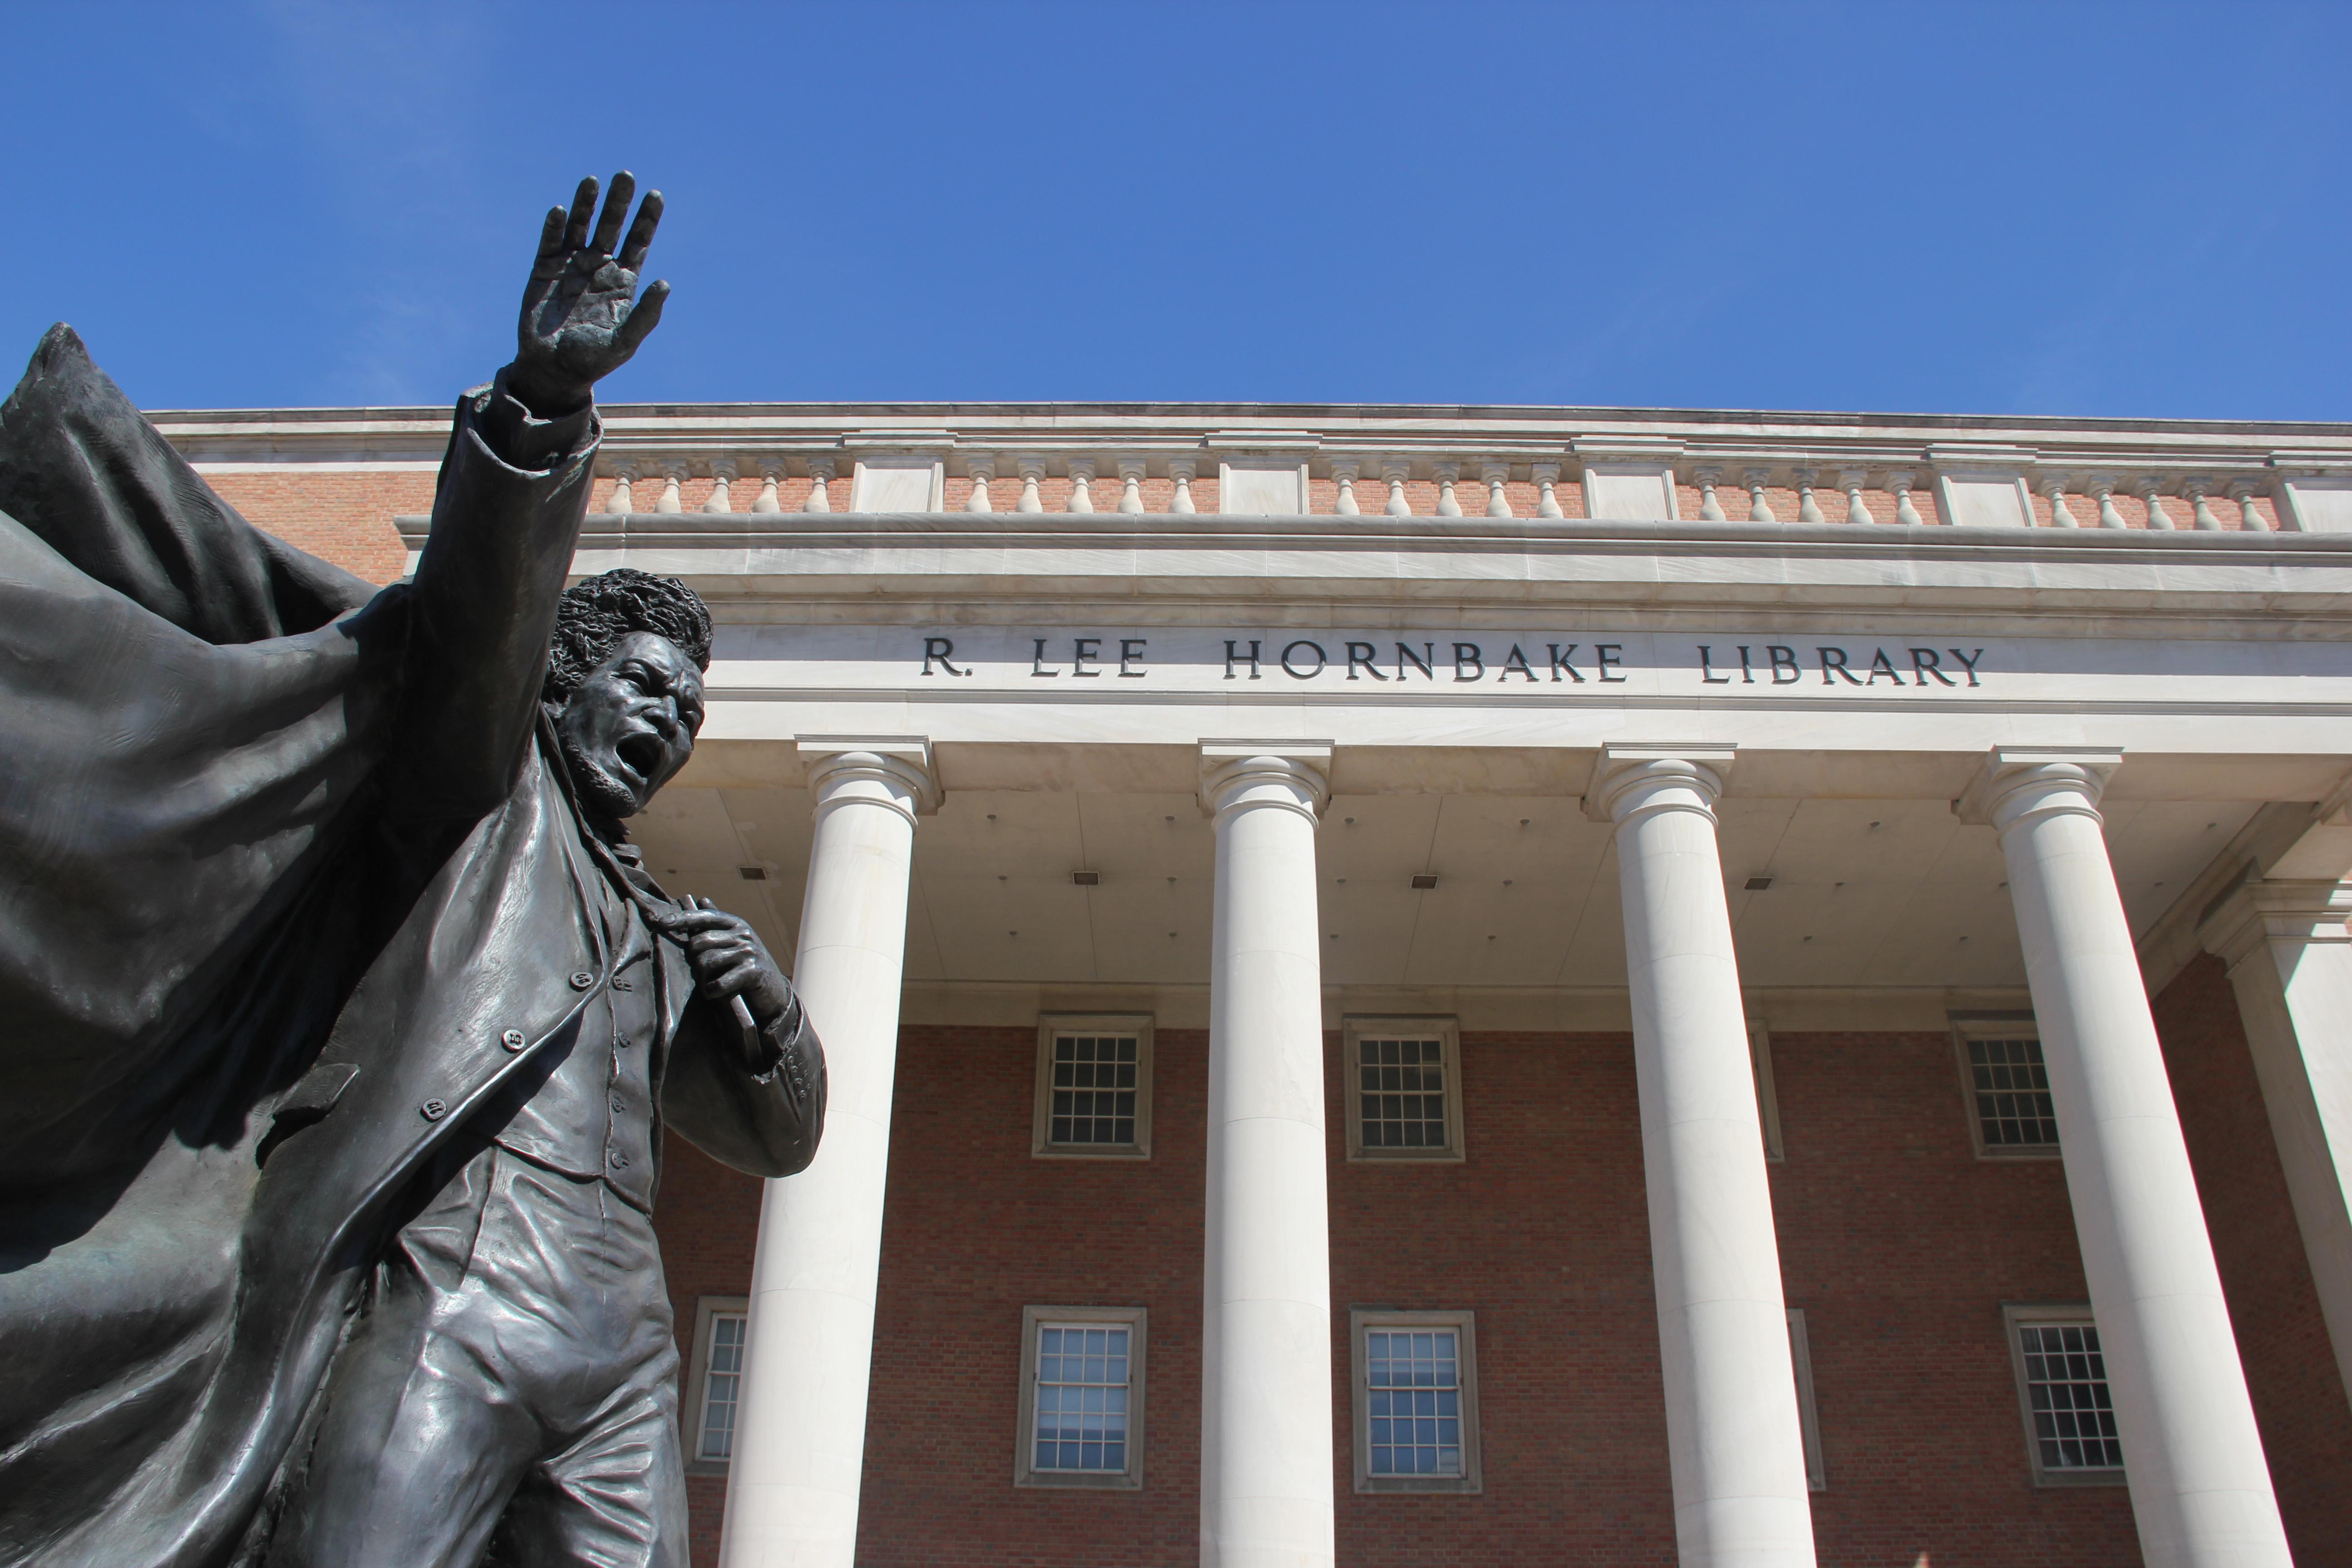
x=2206 y=520
x=1343 y=477
x=820 y=495
x=981 y=472
x=1498 y=504
x=2242 y=491
x=2151 y=495
x=722 y=483
x=1032 y=469
x=1448 y=474
x=623 y=498
x=1393 y=474
x=1899 y=481
x=1709 y=508
x=2101 y=488
x=1546 y=477
x=2060 y=515
x=1182 y=469
x=1851 y=480
x=1759 y=509
x=771 y=474
x=1808 y=509
x=1130 y=485
x=1082 y=485
x=673 y=476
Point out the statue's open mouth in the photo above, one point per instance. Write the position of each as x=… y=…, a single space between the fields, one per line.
x=641 y=754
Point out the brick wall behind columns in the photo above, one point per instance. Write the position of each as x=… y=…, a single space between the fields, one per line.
x=975 y=1229
x=2291 y=1371
x=1543 y=1231
x=1901 y=1246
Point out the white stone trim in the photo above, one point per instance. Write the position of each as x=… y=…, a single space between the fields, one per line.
x=1466 y=1326
x=708 y=1311
x=2018 y=1315
x=1026 y=1474
x=1442 y=1028
x=1053 y=1025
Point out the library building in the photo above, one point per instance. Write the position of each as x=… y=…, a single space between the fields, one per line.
x=1428 y=986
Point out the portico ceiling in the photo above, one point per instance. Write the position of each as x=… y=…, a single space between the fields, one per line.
x=1872 y=893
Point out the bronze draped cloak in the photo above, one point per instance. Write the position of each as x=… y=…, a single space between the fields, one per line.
x=280 y=868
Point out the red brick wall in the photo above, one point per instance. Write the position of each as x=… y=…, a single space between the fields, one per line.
x=1899 y=1244
x=344 y=517
x=2299 y=1399
x=1901 y=1247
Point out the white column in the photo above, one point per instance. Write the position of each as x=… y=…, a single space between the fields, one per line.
x=800 y=1432
x=1733 y=1433
x=1266 y=1337
x=2200 y=1491
x=2290 y=958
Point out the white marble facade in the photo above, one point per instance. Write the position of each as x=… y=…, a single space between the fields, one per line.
x=2040 y=748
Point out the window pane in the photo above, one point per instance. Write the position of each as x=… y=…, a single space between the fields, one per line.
x=722 y=1382
x=1095 y=1087
x=2066 y=1389
x=1082 y=1390
x=2012 y=1094
x=1400 y=1086
x=1413 y=1399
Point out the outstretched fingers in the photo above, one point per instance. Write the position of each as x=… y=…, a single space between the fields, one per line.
x=583 y=209
x=616 y=207
x=550 y=260
x=641 y=232
x=643 y=318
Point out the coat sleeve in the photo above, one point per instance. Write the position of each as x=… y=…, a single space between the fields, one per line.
x=757 y=1104
x=506 y=520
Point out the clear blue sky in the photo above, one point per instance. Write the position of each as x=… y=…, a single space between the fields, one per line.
x=2114 y=209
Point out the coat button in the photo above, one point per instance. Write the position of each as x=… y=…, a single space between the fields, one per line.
x=434 y=1109
x=620 y=1162
x=581 y=981
x=512 y=1039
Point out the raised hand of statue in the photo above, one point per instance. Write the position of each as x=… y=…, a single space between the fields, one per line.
x=580 y=316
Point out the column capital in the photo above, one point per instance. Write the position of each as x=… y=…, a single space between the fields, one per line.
x=1634 y=778
x=893 y=770
x=2019 y=781
x=1296 y=775
x=2293 y=910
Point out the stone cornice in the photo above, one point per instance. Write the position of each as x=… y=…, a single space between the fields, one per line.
x=1731 y=438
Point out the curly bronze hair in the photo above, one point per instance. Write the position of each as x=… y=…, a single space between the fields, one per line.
x=595 y=614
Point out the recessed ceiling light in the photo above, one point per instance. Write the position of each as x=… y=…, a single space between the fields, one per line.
x=1425 y=880
x=1086 y=878
x=1757 y=884
x=753 y=873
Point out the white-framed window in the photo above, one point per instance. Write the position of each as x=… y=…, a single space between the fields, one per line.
x=2070 y=1437
x=2011 y=1116
x=1403 y=1078
x=1800 y=1359
x=1416 y=1399
x=1768 y=1099
x=1094 y=1087
x=1081 y=1420
x=714 y=1384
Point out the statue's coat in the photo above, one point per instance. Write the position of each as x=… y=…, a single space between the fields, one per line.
x=281 y=865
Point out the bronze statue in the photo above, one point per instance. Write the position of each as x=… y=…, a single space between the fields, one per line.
x=341 y=1019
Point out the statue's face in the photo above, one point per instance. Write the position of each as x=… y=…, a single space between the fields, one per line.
x=631 y=725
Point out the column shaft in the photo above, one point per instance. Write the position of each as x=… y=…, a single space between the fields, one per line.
x=1733 y=1433
x=2290 y=958
x=799 y=1435
x=2200 y=1491
x=1266 y=1343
